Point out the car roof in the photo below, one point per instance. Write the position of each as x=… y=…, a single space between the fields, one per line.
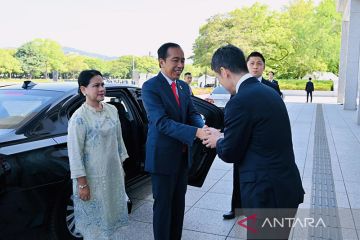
x=220 y=90
x=61 y=86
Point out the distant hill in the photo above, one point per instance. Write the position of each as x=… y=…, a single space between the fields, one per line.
x=68 y=50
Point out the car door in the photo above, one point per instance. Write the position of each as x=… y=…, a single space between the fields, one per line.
x=132 y=129
x=203 y=157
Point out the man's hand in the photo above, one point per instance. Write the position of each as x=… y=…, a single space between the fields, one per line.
x=213 y=131
x=212 y=136
x=211 y=140
x=200 y=133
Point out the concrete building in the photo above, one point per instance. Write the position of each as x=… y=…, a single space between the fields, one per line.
x=348 y=88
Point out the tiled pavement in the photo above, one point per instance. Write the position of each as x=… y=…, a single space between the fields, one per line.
x=328 y=157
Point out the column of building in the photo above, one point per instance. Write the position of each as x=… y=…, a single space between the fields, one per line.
x=349 y=73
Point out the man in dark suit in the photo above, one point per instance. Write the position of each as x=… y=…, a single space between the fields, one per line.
x=173 y=126
x=309 y=88
x=257 y=137
x=271 y=75
x=188 y=80
x=256 y=66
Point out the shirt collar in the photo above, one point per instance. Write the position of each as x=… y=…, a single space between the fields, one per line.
x=168 y=79
x=242 y=79
x=260 y=78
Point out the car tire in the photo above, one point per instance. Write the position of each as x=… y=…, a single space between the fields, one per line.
x=62 y=222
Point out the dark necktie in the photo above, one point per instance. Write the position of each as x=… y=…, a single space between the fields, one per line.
x=173 y=88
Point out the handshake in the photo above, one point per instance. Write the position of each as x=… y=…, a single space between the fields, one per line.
x=209 y=136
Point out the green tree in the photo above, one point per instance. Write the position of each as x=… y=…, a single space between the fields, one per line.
x=328 y=35
x=194 y=70
x=300 y=39
x=212 y=35
x=146 y=64
x=119 y=69
x=74 y=64
x=8 y=63
x=96 y=63
x=31 y=58
x=122 y=67
x=52 y=53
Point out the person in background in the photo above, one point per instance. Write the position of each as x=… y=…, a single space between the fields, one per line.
x=96 y=153
x=173 y=125
x=188 y=80
x=271 y=78
x=309 y=88
x=256 y=66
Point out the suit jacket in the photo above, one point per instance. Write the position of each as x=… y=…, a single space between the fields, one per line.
x=170 y=126
x=257 y=136
x=272 y=85
x=309 y=86
x=274 y=82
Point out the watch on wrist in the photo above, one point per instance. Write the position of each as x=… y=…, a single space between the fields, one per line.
x=83 y=186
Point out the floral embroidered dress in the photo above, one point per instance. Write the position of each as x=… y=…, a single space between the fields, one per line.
x=97 y=150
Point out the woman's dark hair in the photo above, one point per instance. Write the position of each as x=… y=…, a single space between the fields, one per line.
x=85 y=77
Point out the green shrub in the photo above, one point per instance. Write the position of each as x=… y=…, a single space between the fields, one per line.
x=299 y=84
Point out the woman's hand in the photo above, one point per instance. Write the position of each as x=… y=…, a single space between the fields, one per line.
x=84 y=193
x=84 y=190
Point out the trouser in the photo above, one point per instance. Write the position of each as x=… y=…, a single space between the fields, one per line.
x=169 y=204
x=236 y=197
x=307 y=96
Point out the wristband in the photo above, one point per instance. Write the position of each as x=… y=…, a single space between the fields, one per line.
x=83 y=186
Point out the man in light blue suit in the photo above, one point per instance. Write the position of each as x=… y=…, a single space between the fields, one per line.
x=173 y=126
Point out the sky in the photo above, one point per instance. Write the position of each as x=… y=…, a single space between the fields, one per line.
x=113 y=27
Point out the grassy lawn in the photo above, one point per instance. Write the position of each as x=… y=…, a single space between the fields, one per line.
x=299 y=84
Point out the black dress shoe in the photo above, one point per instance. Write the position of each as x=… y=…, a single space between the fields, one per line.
x=229 y=215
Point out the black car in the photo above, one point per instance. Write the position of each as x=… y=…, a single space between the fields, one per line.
x=219 y=96
x=35 y=184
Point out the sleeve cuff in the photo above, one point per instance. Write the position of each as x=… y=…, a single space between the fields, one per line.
x=77 y=173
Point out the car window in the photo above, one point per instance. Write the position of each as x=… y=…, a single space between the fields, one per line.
x=220 y=90
x=18 y=106
x=121 y=106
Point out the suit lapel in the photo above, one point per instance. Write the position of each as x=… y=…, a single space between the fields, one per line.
x=166 y=88
x=168 y=91
x=183 y=100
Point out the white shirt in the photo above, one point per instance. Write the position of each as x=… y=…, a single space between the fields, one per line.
x=242 y=79
x=170 y=81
